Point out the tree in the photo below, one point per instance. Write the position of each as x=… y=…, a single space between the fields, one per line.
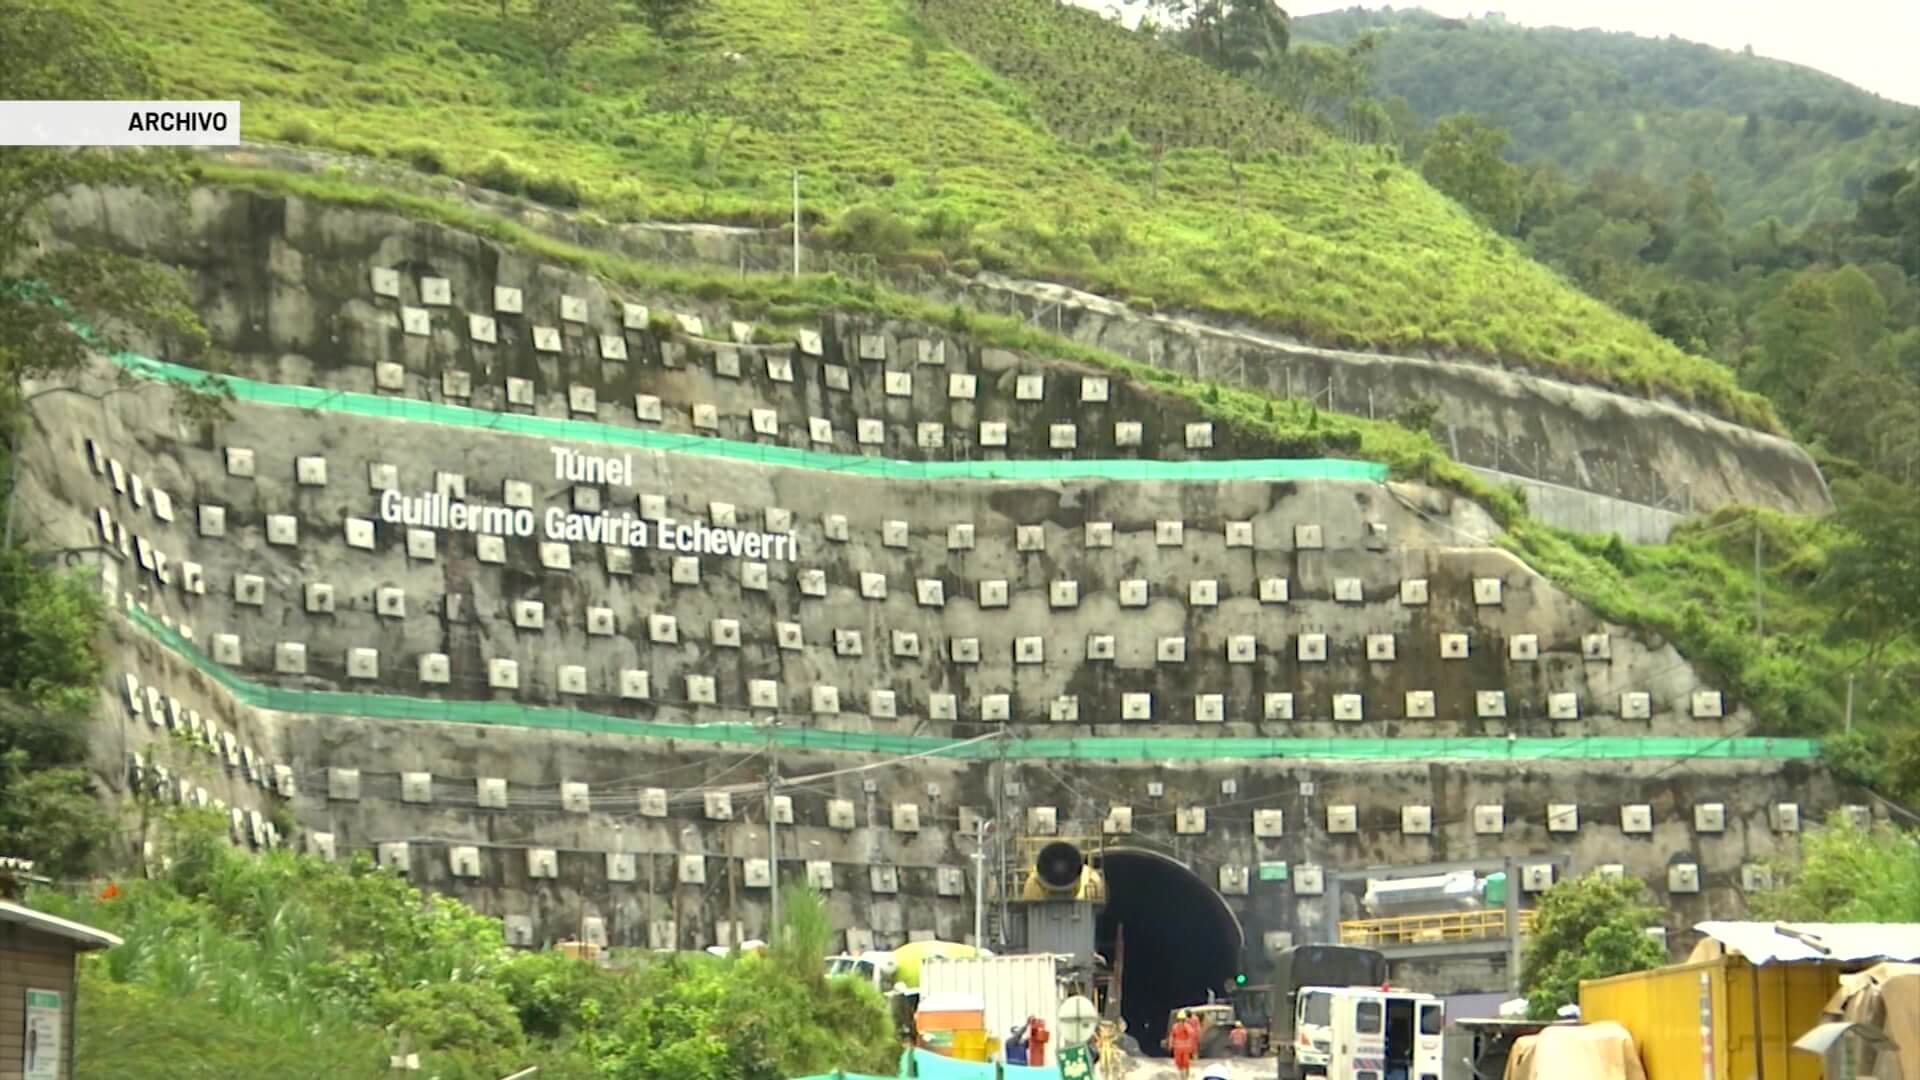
x=1799 y=339
x=1243 y=36
x=1876 y=569
x=1464 y=160
x=1586 y=928
x=670 y=20
x=557 y=27
x=1847 y=874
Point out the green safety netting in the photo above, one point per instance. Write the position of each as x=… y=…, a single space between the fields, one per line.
x=385 y=706
x=433 y=412
x=403 y=707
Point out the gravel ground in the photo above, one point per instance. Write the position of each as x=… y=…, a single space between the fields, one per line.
x=1235 y=1068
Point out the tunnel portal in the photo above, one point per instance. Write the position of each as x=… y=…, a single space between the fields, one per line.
x=1179 y=937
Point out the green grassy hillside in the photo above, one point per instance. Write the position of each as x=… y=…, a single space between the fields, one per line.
x=1052 y=162
x=1780 y=140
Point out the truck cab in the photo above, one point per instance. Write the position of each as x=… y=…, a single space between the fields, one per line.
x=877 y=969
x=1321 y=969
x=1369 y=1034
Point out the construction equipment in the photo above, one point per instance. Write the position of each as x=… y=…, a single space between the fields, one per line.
x=1294 y=971
x=876 y=967
x=1061 y=872
x=1216 y=1020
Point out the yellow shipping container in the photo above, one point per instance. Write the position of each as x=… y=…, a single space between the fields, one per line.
x=1725 y=1019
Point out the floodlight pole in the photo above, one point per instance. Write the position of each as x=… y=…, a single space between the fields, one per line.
x=773 y=846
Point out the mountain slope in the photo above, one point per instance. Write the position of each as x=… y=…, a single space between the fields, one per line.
x=1247 y=212
x=1780 y=140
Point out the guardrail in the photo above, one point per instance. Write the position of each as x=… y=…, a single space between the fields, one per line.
x=1431 y=929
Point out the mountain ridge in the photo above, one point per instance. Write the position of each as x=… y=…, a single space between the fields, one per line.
x=1780 y=139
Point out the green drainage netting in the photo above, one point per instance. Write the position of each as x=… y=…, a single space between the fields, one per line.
x=513 y=714
x=433 y=412
x=1110 y=748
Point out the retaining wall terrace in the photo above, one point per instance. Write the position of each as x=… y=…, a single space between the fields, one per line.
x=575 y=735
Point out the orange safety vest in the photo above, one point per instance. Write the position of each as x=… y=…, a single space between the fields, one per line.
x=1183 y=1039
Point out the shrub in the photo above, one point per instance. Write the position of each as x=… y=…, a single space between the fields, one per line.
x=423 y=157
x=871 y=230
x=1854 y=757
x=554 y=190
x=501 y=174
x=298 y=131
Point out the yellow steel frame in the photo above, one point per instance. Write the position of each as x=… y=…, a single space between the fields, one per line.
x=1424 y=929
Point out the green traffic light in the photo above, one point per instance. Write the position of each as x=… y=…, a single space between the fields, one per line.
x=1240 y=979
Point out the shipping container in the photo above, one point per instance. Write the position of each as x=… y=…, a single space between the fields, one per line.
x=1722 y=1019
x=1012 y=987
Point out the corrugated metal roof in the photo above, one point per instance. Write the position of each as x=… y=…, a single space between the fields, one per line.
x=1783 y=943
x=86 y=936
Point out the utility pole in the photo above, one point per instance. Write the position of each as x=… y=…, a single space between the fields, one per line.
x=1849 y=702
x=773 y=846
x=980 y=830
x=1000 y=817
x=1512 y=898
x=1759 y=603
x=796 y=223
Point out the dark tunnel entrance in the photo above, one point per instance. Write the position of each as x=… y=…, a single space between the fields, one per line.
x=1179 y=938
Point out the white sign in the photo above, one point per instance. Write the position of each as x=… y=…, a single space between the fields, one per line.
x=41 y=1057
x=443 y=513
x=119 y=123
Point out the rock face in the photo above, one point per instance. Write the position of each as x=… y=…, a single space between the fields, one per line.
x=1525 y=426
x=1005 y=588
x=1646 y=461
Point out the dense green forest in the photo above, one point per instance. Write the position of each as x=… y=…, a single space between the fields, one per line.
x=1823 y=319
x=1779 y=140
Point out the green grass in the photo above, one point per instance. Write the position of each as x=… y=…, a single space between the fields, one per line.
x=781 y=302
x=1331 y=242
x=1779 y=656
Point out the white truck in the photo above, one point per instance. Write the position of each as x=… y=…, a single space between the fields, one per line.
x=877 y=968
x=1365 y=1033
x=1013 y=988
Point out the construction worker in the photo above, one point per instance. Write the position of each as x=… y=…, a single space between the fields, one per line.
x=1016 y=1046
x=1184 y=1040
x=1237 y=1039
